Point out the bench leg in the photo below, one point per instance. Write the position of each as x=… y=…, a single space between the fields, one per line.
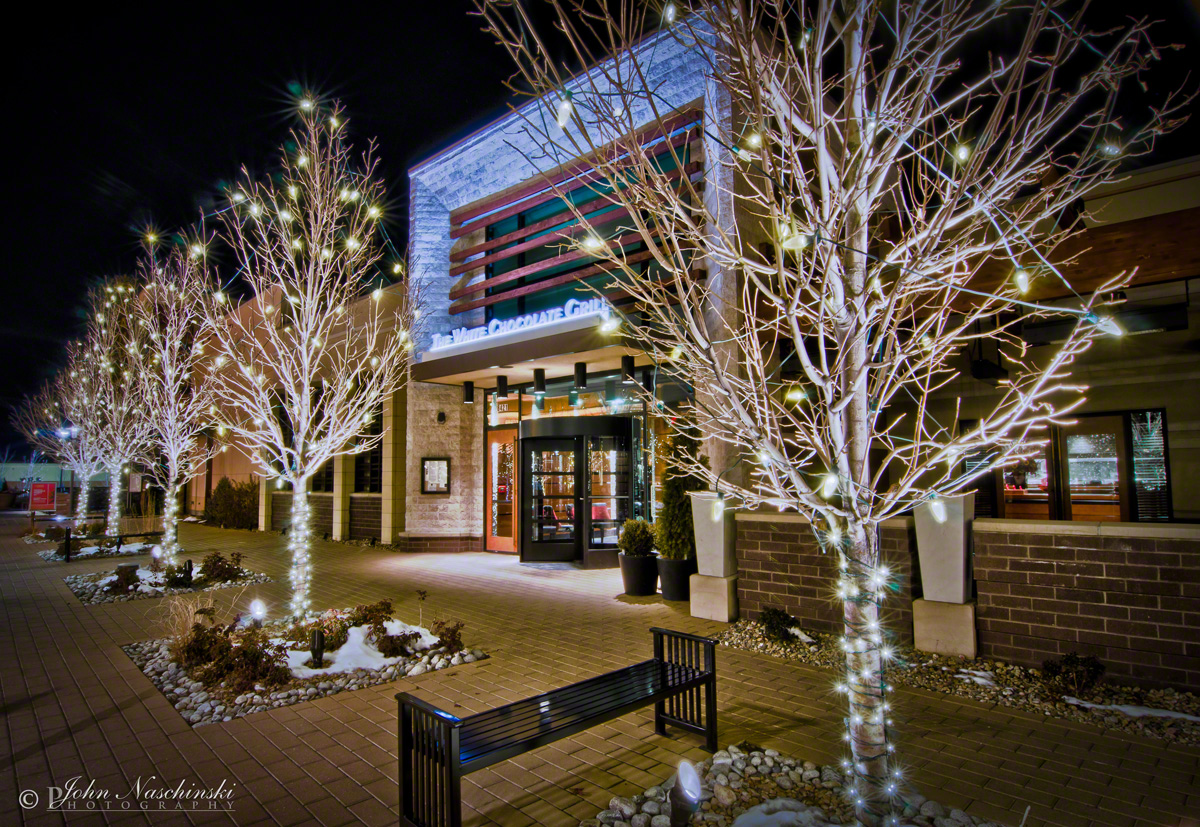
x=660 y=726
x=710 y=715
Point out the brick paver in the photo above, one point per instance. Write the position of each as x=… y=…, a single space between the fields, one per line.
x=74 y=705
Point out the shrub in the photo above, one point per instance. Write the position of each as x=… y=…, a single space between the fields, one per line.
x=233 y=504
x=93 y=530
x=394 y=646
x=178 y=577
x=637 y=539
x=778 y=625
x=240 y=661
x=675 y=537
x=1072 y=674
x=54 y=532
x=216 y=569
x=126 y=579
x=449 y=634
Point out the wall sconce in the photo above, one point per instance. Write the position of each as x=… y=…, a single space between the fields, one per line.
x=468 y=393
x=539 y=381
x=648 y=380
x=502 y=387
x=580 y=375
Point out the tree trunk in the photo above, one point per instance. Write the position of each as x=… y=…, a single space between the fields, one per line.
x=862 y=586
x=170 y=538
x=113 y=525
x=299 y=543
x=81 y=504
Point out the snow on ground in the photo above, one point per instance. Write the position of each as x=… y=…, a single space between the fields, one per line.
x=148 y=581
x=357 y=652
x=190 y=520
x=981 y=677
x=782 y=812
x=1133 y=711
x=128 y=548
x=800 y=636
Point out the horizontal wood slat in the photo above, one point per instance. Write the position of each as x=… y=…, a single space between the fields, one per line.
x=650 y=133
x=556 y=281
x=567 y=232
x=550 y=194
x=539 y=266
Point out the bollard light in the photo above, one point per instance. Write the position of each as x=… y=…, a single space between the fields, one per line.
x=258 y=612
x=317 y=648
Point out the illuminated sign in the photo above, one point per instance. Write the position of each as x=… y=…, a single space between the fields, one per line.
x=572 y=309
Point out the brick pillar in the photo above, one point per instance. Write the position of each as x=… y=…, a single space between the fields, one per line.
x=395 y=428
x=343 y=484
x=265 y=487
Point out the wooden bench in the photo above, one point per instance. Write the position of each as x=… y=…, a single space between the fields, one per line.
x=438 y=748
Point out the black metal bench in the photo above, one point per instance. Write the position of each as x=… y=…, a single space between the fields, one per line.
x=437 y=748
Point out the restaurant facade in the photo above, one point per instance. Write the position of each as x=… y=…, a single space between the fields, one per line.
x=523 y=430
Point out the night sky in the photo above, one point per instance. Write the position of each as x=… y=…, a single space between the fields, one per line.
x=124 y=120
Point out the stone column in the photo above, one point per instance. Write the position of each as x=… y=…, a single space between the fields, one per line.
x=343 y=484
x=265 y=487
x=395 y=430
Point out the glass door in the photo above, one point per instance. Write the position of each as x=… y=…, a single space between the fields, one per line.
x=500 y=491
x=552 y=497
x=609 y=477
x=1094 y=455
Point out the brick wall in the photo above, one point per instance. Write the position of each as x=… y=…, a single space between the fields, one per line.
x=1134 y=602
x=320 y=508
x=779 y=564
x=365 y=516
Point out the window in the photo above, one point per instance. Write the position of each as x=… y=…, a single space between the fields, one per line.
x=368 y=466
x=322 y=481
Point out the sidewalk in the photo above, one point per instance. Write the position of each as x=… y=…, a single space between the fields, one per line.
x=74 y=705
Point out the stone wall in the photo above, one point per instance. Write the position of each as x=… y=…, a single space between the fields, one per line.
x=780 y=565
x=460 y=437
x=365 y=514
x=1117 y=591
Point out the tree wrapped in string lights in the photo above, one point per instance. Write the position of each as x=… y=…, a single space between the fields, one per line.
x=108 y=407
x=302 y=367
x=869 y=212
x=177 y=398
x=43 y=420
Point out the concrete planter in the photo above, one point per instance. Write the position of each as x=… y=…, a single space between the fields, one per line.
x=715 y=539
x=943 y=549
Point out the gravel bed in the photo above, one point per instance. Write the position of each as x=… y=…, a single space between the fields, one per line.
x=200 y=705
x=129 y=549
x=90 y=591
x=994 y=682
x=745 y=785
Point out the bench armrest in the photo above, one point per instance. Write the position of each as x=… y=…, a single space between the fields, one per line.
x=685 y=649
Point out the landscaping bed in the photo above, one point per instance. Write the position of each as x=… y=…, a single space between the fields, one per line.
x=110 y=587
x=747 y=786
x=96 y=552
x=213 y=672
x=1160 y=713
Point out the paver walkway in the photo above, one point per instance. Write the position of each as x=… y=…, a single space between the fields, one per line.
x=75 y=705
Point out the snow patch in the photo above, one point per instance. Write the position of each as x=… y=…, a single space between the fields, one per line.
x=782 y=812
x=357 y=652
x=978 y=676
x=800 y=636
x=1133 y=711
x=128 y=548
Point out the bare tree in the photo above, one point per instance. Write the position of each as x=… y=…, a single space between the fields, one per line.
x=43 y=420
x=108 y=407
x=303 y=367
x=862 y=190
x=177 y=397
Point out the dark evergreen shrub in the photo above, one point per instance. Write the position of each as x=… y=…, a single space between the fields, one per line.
x=1072 y=674
x=778 y=625
x=674 y=535
x=233 y=504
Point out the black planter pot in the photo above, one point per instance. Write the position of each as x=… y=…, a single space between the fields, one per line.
x=674 y=575
x=639 y=574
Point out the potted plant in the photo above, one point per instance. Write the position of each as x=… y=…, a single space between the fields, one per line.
x=639 y=567
x=675 y=535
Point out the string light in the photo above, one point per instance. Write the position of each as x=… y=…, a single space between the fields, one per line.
x=1022 y=279
x=829 y=486
x=565 y=108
